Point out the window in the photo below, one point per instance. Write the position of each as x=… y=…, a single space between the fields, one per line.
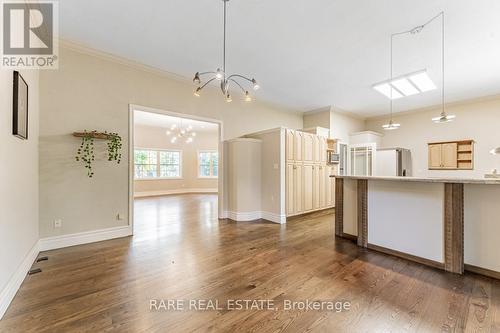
x=157 y=164
x=208 y=164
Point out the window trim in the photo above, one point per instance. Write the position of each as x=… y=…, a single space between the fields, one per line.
x=158 y=150
x=211 y=166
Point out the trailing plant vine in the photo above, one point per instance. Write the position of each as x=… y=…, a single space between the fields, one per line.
x=86 y=153
x=114 y=147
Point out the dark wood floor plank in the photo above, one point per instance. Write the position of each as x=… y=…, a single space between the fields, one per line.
x=180 y=250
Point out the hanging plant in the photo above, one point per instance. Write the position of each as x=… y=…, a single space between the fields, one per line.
x=86 y=154
x=114 y=147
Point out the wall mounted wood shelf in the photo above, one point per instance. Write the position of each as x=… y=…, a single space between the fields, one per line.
x=95 y=135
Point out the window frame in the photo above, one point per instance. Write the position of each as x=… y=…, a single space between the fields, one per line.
x=158 y=163
x=211 y=164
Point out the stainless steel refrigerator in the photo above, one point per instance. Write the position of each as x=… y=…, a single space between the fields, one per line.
x=393 y=162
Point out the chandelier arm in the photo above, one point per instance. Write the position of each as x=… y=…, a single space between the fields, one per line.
x=240 y=76
x=204 y=73
x=203 y=86
x=238 y=84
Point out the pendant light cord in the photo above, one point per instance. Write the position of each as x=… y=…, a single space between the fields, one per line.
x=224 y=42
x=442 y=63
x=415 y=31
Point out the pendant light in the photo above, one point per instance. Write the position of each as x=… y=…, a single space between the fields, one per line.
x=495 y=151
x=226 y=81
x=391 y=125
x=443 y=117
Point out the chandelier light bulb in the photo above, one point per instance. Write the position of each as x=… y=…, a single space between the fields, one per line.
x=228 y=98
x=168 y=133
x=174 y=126
x=173 y=139
x=248 y=98
x=193 y=134
x=256 y=86
x=197 y=92
x=219 y=75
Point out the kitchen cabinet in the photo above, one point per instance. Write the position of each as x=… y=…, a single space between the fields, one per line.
x=455 y=155
x=308 y=185
x=308 y=190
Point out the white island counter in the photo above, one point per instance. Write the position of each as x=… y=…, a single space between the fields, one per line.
x=448 y=223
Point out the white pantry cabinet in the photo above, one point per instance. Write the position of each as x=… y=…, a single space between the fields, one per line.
x=308 y=184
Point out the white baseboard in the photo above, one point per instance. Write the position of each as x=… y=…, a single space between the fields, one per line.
x=176 y=191
x=273 y=217
x=57 y=242
x=252 y=216
x=10 y=290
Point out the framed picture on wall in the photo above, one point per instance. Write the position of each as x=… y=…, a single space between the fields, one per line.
x=20 y=107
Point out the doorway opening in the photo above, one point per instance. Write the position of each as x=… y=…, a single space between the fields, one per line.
x=175 y=169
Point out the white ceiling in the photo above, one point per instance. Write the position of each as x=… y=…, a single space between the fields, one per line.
x=164 y=121
x=305 y=54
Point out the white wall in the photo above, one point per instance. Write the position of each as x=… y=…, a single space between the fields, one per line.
x=155 y=138
x=93 y=91
x=477 y=120
x=18 y=182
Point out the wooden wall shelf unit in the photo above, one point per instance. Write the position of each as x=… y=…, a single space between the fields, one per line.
x=451 y=155
x=95 y=135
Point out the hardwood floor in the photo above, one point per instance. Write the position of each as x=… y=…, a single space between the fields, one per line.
x=181 y=251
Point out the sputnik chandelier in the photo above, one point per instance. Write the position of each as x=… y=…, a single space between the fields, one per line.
x=181 y=133
x=220 y=75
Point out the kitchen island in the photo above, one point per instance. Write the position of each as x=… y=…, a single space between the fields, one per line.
x=448 y=223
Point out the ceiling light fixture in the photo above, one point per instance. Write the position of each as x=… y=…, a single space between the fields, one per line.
x=443 y=117
x=220 y=74
x=406 y=85
x=413 y=83
x=180 y=132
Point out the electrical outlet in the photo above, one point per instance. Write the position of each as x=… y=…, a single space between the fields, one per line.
x=57 y=223
x=119 y=217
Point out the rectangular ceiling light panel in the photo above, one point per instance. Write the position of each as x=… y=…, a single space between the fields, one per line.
x=422 y=81
x=385 y=89
x=406 y=85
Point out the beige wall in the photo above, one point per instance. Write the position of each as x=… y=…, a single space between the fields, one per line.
x=272 y=171
x=18 y=180
x=341 y=125
x=155 y=138
x=317 y=118
x=93 y=92
x=477 y=120
x=244 y=176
